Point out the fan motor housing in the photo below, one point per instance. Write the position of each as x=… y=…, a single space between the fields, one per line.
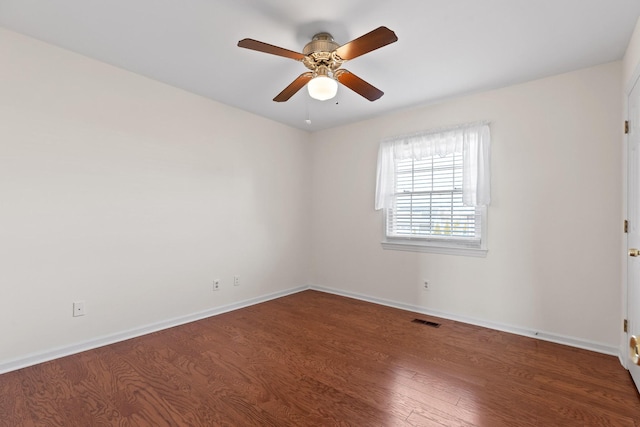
x=321 y=42
x=320 y=53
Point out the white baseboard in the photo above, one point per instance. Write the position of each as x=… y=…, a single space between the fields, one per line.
x=59 y=352
x=545 y=336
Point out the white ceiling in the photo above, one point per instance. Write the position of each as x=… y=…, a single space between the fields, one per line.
x=446 y=48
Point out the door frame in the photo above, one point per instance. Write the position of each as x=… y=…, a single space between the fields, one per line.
x=624 y=336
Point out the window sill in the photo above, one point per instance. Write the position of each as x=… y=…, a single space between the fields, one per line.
x=421 y=247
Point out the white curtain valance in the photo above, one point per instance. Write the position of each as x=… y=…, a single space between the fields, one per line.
x=472 y=140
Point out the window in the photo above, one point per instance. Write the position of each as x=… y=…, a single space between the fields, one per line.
x=434 y=189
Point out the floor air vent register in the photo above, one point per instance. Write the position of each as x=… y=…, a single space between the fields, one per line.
x=426 y=322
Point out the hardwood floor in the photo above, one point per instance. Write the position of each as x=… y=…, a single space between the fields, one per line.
x=315 y=359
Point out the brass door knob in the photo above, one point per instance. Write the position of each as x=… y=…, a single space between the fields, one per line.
x=634 y=349
x=634 y=252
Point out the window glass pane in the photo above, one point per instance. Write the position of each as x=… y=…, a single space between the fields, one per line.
x=428 y=201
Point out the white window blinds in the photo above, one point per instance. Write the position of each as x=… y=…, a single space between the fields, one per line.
x=428 y=200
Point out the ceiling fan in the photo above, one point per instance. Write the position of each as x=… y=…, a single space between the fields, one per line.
x=324 y=57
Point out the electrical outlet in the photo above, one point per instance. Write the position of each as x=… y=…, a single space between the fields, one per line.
x=78 y=309
x=426 y=285
x=236 y=280
x=216 y=284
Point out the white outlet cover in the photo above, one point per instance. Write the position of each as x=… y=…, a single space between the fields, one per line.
x=78 y=309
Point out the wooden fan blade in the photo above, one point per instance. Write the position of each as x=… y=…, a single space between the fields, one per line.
x=358 y=85
x=377 y=38
x=269 y=48
x=294 y=87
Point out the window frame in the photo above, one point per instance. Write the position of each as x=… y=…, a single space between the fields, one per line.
x=432 y=243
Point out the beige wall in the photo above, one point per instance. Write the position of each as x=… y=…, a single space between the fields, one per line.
x=554 y=222
x=133 y=196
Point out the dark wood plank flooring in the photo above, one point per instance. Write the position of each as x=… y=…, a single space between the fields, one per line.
x=315 y=359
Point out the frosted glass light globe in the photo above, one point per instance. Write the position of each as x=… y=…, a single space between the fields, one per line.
x=322 y=88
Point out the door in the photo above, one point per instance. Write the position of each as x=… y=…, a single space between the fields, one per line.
x=633 y=236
